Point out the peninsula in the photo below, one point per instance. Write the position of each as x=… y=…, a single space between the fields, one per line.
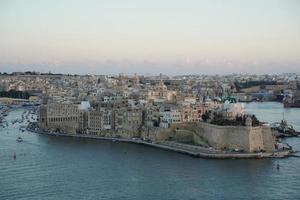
x=194 y=115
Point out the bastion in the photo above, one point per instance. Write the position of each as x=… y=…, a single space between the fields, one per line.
x=246 y=138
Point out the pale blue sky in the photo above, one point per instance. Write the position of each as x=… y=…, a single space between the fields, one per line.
x=169 y=36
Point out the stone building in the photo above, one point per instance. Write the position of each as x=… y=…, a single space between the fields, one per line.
x=160 y=93
x=62 y=117
x=133 y=119
x=152 y=118
x=168 y=117
x=94 y=122
x=82 y=119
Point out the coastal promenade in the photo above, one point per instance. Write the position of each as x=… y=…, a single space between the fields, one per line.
x=192 y=150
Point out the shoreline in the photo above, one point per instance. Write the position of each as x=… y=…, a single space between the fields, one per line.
x=179 y=147
x=191 y=150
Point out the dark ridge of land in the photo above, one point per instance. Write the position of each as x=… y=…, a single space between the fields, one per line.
x=15 y=94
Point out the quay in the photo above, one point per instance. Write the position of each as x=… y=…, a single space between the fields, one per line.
x=191 y=150
x=184 y=148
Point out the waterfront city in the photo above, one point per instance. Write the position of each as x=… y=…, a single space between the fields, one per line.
x=143 y=100
x=61 y=150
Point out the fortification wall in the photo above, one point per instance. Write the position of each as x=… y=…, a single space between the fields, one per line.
x=184 y=136
x=255 y=139
x=224 y=137
x=268 y=139
x=249 y=139
x=163 y=135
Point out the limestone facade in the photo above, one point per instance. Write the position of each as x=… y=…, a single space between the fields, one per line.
x=69 y=118
x=60 y=116
x=247 y=138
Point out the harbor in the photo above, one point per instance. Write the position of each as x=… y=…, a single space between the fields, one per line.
x=192 y=150
x=28 y=122
x=54 y=160
x=285 y=150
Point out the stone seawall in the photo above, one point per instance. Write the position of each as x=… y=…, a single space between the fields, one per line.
x=246 y=138
x=182 y=148
x=249 y=139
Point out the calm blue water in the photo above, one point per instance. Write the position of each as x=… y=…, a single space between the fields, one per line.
x=274 y=112
x=49 y=167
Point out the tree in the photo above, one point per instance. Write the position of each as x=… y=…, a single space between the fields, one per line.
x=205 y=116
x=255 y=121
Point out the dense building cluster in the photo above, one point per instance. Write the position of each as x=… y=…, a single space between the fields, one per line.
x=125 y=106
x=145 y=107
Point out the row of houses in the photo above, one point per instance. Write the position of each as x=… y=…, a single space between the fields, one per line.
x=124 y=120
x=81 y=118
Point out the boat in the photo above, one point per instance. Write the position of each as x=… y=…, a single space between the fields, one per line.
x=19 y=139
x=291 y=105
x=22 y=128
x=290 y=102
x=283 y=129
